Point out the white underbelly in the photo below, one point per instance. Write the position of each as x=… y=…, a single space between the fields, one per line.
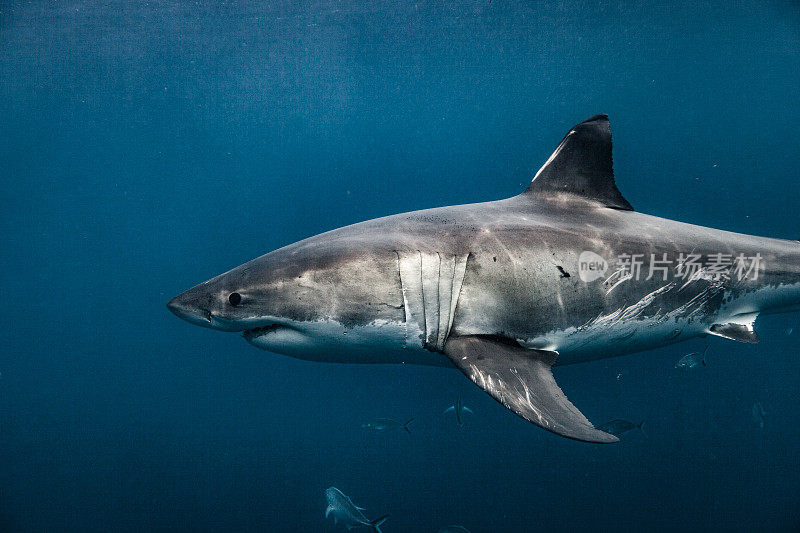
x=380 y=341
x=575 y=345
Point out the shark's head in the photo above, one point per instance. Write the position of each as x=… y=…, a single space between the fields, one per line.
x=309 y=300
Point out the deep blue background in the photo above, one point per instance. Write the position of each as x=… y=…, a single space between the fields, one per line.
x=145 y=147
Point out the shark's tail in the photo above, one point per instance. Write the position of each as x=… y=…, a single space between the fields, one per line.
x=376 y=524
x=405 y=426
x=641 y=428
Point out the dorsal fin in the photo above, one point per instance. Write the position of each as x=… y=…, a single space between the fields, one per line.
x=581 y=165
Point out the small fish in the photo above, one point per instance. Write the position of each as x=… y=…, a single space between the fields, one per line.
x=618 y=427
x=789 y=331
x=387 y=424
x=454 y=529
x=344 y=510
x=759 y=414
x=692 y=360
x=459 y=409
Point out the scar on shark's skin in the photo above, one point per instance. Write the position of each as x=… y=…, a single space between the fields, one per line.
x=475 y=287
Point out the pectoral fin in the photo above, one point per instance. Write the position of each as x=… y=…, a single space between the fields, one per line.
x=522 y=380
x=739 y=328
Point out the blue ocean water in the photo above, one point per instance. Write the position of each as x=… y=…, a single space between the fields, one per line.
x=147 y=146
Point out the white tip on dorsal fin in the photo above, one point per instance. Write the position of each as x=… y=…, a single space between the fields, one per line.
x=738 y=328
x=581 y=166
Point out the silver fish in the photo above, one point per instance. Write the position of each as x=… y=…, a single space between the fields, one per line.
x=692 y=360
x=387 y=424
x=758 y=414
x=459 y=409
x=617 y=427
x=345 y=511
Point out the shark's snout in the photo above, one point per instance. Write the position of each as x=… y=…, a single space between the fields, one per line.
x=206 y=307
x=189 y=309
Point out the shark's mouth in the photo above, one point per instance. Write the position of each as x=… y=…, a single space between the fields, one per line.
x=254 y=333
x=280 y=338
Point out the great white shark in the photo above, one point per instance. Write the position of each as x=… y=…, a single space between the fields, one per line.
x=565 y=272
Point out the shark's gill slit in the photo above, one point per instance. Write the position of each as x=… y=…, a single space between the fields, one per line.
x=402 y=289
x=447 y=266
x=424 y=323
x=430 y=296
x=431 y=283
x=459 y=272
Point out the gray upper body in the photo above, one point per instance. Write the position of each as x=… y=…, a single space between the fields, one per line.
x=497 y=288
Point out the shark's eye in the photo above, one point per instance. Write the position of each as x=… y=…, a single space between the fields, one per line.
x=235 y=298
